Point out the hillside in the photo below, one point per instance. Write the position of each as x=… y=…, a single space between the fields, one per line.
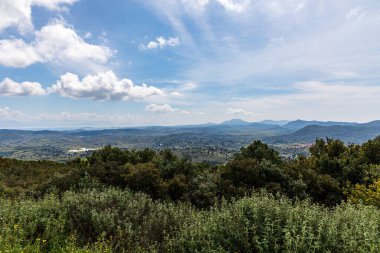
x=357 y=133
x=298 y=124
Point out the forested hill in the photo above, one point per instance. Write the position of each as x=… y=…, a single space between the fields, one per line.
x=322 y=176
x=298 y=124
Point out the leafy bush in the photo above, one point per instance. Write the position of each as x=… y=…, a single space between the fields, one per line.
x=369 y=195
x=120 y=221
x=262 y=223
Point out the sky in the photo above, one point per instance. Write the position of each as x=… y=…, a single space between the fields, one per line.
x=120 y=63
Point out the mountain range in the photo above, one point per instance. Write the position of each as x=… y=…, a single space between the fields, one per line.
x=225 y=137
x=272 y=131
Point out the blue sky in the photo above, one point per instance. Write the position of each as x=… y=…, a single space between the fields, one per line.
x=74 y=63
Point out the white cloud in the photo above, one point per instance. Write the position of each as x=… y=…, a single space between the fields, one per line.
x=16 y=53
x=56 y=44
x=62 y=45
x=238 y=111
x=318 y=100
x=195 y=5
x=189 y=86
x=17 y=13
x=355 y=13
x=9 y=87
x=85 y=116
x=161 y=43
x=17 y=119
x=235 y=5
x=175 y=94
x=159 y=108
x=348 y=46
x=300 y=6
x=53 y=4
x=87 y=35
x=341 y=37
x=7 y=113
x=102 y=86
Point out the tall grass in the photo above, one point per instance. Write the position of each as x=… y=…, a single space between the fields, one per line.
x=112 y=220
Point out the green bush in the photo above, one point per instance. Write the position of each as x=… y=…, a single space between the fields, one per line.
x=262 y=223
x=120 y=221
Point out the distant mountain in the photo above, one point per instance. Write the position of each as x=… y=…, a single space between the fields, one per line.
x=298 y=124
x=240 y=126
x=235 y=122
x=228 y=136
x=351 y=133
x=375 y=123
x=274 y=122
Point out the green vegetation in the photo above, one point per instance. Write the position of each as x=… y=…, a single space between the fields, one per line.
x=147 y=201
x=118 y=220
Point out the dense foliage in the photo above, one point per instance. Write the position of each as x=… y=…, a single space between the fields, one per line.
x=147 y=201
x=105 y=220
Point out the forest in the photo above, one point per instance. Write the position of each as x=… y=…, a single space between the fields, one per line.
x=118 y=200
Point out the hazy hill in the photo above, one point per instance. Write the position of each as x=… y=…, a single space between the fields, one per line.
x=298 y=124
x=235 y=122
x=355 y=133
x=229 y=135
x=275 y=122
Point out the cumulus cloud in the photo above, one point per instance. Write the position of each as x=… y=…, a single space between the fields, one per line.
x=16 y=53
x=58 y=43
x=159 y=108
x=102 y=86
x=18 y=13
x=54 y=43
x=238 y=111
x=161 y=42
x=9 y=87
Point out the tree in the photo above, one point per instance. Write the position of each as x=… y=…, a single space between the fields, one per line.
x=259 y=151
x=368 y=195
x=371 y=151
x=145 y=177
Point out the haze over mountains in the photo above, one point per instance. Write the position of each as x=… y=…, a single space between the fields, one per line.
x=216 y=140
x=274 y=131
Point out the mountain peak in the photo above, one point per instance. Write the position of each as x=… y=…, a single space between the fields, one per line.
x=235 y=122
